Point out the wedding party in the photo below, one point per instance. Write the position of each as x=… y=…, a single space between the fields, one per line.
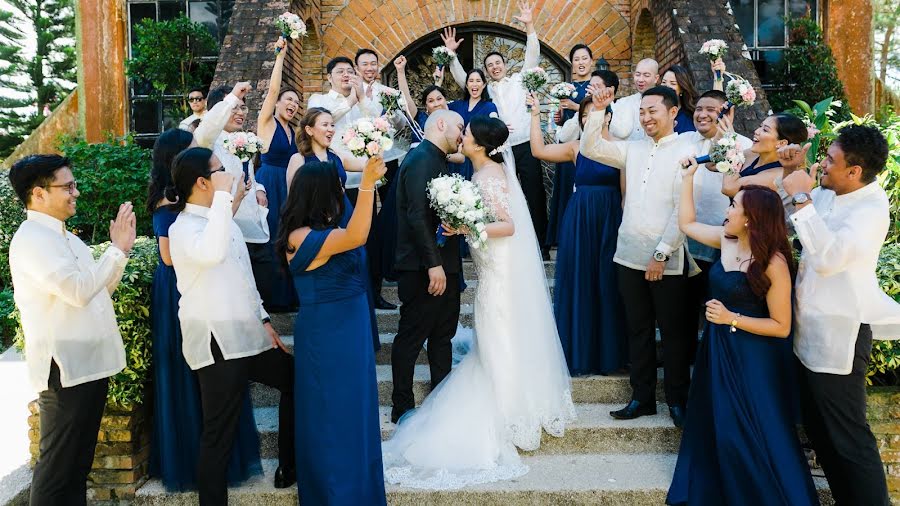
x=381 y=286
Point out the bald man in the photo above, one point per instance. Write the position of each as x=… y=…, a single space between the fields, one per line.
x=428 y=275
x=626 y=120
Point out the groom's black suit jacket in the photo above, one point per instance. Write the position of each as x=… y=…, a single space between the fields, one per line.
x=417 y=223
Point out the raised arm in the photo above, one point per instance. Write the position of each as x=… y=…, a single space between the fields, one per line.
x=593 y=144
x=732 y=183
x=557 y=153
x=687 y=214
x=456 y=68
x=403 y=84
x=532 y=44
x=265 y=122
x=217 y=117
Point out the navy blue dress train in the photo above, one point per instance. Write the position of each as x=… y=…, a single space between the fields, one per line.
x=338 y=429
x=586 y=300
x=740 y=445
x=177 y=412
x=563 y=178
x=273 y=175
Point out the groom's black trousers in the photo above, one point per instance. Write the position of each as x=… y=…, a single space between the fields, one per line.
x=422 y=317
x=70 y=421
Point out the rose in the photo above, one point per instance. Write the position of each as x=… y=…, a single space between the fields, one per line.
x=723 y=167
x=365 y=126
x=373 y=148
x=356 y=144
x=387 y=143
x=443 y=195
x=381 y=124
x=252 y=147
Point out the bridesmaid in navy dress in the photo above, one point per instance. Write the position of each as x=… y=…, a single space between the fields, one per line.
x=586 y=300
x=316 y=133
x=274 y=129
x=740 y=444
x=679 y=79
x=582 y=59
x=338 y=429
x=178 y=421
x=476 y=101
x=762 y=162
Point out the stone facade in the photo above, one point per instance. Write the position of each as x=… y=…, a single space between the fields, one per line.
x=884 y=418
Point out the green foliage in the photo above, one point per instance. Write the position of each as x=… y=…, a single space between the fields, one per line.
x=167 y=56
x=12 y=213
x=131 y=302
x=884 y=366
x=7 y=323
x=818 y=117
x=808 y=72
x=108 y=174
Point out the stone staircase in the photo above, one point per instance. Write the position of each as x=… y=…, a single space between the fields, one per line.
x=600 y=461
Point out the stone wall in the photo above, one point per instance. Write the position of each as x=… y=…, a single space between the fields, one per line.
x=45 y=138
x=884 y=418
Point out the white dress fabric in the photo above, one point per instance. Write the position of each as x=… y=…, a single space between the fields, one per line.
x=513 y=383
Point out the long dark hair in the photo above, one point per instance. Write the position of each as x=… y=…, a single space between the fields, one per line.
x=485 y=96
x=315 y=200
x=688 y=96
x=167 y=146
x=768 y=234
x=186 y=168
x=489 y=133
x=427 y=91
x=791 y=128
x=304 y=140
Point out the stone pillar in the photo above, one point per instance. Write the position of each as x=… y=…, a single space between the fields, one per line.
x=100 y=33
x=848 y=31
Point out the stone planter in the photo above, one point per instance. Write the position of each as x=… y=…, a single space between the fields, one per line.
x=121 y=461
x=884 y=418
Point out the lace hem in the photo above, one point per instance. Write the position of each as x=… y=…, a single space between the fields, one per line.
x=526 y=433
x=444 y=479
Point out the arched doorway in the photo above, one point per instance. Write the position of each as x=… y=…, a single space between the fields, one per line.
x=644 y=43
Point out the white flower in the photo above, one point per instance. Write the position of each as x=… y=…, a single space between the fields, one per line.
x=252 y=148
x=723 y=167
x=837 y=103
x=386 y=143
x=444 y=196
x=365 y=126
x=483 y=235
x=295 y=34
x=356 y=144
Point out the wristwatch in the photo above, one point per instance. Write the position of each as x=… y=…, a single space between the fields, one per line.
x=800 y=198
x=659 y=256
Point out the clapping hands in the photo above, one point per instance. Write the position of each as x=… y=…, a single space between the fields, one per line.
x=122 y=230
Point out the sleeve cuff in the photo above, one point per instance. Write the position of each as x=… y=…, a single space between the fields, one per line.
x=222 y=198
x=116 y=254
x=665 y=249
x=803 y=214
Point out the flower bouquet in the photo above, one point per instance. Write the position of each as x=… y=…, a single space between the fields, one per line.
x=739 y=92
x=715 y=49
x=726 y=155
x=442 y=56
x=459 y=204
x=391 y=100
x=291 y=26
x=369 y=137
x=534 y=79
x=243 y=145
x=559 y=92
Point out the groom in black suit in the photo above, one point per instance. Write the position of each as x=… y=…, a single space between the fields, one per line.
x=429 y=275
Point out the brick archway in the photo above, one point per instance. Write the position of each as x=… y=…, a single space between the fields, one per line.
x=644 y=43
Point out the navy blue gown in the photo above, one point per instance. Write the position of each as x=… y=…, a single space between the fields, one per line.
x=754 y=169
x=684 y=121
x=740 y=445
x=273 y=175
x=348 y=212
x=563 y=178
x=335 y=388
x=461 y=107
x=586 y=300
x=178 y=416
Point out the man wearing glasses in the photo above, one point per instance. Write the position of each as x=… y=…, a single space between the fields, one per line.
x=197 y=101
x=72 y=341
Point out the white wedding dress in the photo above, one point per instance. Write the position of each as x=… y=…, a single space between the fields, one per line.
x=511 y=385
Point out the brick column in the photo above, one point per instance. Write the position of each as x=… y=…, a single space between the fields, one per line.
x=849 y=33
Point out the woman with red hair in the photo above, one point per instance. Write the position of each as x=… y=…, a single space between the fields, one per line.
x=740 y=443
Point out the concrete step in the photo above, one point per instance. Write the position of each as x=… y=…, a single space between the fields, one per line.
x=576 y=480
x=612 y=389
x=593 y=432
x=388 y=320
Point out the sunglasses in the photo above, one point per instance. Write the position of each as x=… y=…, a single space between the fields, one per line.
x=195 y=99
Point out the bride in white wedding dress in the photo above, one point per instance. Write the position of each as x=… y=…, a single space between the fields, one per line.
x=513 y=383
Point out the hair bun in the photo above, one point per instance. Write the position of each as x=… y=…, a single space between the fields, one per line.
x=171 y=193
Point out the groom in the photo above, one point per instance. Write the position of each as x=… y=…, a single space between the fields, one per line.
x=428 y=282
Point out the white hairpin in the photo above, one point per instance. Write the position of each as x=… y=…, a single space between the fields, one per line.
x=499 y=149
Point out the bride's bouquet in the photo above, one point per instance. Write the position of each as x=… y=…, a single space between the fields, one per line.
x=458 y=203
x=391 y=100
x=726 y=155
x=243 y=145
x=715 y=49
x=739 y=92
x=442 y=56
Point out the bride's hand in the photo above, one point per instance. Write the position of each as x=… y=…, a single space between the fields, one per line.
x=449 y=231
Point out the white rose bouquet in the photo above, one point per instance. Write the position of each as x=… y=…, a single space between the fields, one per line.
x=534 y=79
x=442 y=56
x=726 y=155
x=459 y=204
x=243 y=145
x=715 y=49
x=558 y=92
x=291 y=26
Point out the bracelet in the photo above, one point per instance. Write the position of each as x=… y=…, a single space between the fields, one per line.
x=734 y=322
x=266 y=320
x=367 y=189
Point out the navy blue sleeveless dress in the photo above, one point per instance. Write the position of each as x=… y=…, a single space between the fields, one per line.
x=586 y=300
x=684 y=121
x=563 y=179
x=348 y=212
x=335 y=388
x=178 y=419
x=740 y=445
x=273 y=175
x=753 y=169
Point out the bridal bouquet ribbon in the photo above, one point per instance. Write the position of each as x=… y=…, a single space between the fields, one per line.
x=715 y=49
x=243 y=145
x=534 y=79
x=391 y=101
x=458 y=203
x=291 y=26
x=726 y=155
x=739 y=92
x=442 y=56
x=559 y=92
x=369 y=137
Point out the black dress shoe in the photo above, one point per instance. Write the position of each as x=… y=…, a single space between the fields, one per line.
x=633 y=410
x=285 y=476
x=545 y=254
x=397 y=414
x=380 y=303
x=678 y=414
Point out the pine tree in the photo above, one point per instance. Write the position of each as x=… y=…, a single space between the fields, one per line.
x=29 y=84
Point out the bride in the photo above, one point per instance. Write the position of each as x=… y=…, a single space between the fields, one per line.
x=513 y=383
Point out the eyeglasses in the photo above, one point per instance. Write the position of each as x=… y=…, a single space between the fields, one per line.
x=240 y=108
x=220 y=169
x=70 y=186
x=195 y=99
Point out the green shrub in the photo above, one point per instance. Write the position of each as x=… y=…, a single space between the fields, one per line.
x=12 y=213
x=108 y=173
x=131 y=301
x=808 y=71
x=884 y=366
x=7 y=323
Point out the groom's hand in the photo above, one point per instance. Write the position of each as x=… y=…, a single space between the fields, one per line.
x=437 y=281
